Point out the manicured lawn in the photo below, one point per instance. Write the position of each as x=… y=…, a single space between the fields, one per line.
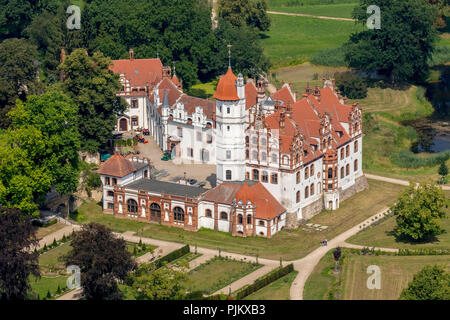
x=293 y=40
x=44 y=231
x=277 y=290
x=184 y=260
x=381 y=235
x=140 y=250
x=51 y=258
x=396 y=273
x=217 y=273
x=320 y=280
x=44 y=284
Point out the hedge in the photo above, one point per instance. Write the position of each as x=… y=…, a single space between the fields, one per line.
x=171 y=256
x=263 y=281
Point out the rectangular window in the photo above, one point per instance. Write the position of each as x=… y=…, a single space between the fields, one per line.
x=110 y=205
x=114 y=181
x=228 y=154
x=110 y=193
x=209 y=138
x=199 y=136
x=134 y=121
x=180 y=132
x=107 y=181
x=190 y=152
x=274 y=178
x=134 y=103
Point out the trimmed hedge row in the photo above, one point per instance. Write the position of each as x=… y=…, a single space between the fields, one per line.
x=423 y=252
x=171 y=256
x=263 y=281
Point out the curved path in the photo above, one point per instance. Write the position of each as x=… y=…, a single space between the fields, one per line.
x=395 y=181
x=309 y=16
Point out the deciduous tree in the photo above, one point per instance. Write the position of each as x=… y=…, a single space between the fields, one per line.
x=418 y=212
x=430 y=283
x=17 y=259
x=251 y=13
x=103 y=260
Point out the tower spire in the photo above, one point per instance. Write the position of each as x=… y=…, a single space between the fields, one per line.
x=229 y=55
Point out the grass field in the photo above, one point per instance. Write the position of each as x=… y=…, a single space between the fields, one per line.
x=51 y=258
x=277 y=290
x=217 y=273
x=293 y=40
x=44 y=284
x=381 y=235
x=321 y=279
x=396 y=273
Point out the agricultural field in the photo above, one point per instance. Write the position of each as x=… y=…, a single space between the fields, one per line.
x=396 y=273
x=277 y=290
x=217 y=273
x=381 y=235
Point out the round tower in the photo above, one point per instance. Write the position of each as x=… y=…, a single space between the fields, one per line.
x=230 y=129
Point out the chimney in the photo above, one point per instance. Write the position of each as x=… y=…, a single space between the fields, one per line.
x=131 y=54
x=282 y=120
x=317 y=93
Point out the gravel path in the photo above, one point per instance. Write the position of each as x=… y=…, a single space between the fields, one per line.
x=310 y=16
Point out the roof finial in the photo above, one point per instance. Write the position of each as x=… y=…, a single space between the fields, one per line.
x=174 y=70
x=229 y=55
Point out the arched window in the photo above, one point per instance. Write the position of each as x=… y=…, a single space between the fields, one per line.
x=132 y=206
x=311 y=170
x=298 y=177
x=355 y=166
x=255 y=140
x=178 y=214
x=255 y=155
x=240 y=219
x=208 y=213
x=306 y=173
x=255 y=175
x=274 y=158
x=356 y=146
x=297 y=197
x=247 y=139
x=264 y=176
x=223 y=216
x=306 y=192
x=285 y=160
x=311 y=189
x=263 y=156
x=347 y=169
x=347 y=150
x=330 y=173
x=228 y=175
x=274 y=178
x=342 y=153
x=249 y=219
x=261 y=223
x=342 y=172
x=319 y=187
x=155 y=212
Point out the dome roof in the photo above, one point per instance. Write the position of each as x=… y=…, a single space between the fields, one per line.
x=226 y=89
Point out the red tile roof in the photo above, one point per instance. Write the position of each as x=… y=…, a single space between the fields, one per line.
x=284 y=94
x=251 y=95
x=173 y=93
x=117 y=166
x=209 y=107
x=139 y=71
x=226 y=88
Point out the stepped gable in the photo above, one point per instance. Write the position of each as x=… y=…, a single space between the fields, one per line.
x=226 y=88
x=117 y=166
x=139 y=72
x=284 y=95
x=251 y=95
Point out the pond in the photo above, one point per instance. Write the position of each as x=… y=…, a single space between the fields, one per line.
x=434 y=132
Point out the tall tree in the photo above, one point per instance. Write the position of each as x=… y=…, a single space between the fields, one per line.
x=19 y=67
x=103 y=260
x=245 y=12
x=55 y=116
x=430 y=283
x=402 y=47
x=93 y=87
x=17 y=259
x=418 y=212
x=14 y=16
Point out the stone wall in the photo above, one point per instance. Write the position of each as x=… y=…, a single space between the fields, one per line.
x=360 y=185
x=291 y=220
x=314 y=208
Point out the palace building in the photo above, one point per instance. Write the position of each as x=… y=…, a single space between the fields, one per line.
x=279 y=159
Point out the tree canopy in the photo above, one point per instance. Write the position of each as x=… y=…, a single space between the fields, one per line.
x=418 y=212
x=251 y=13
x=93 y=87
x=430 y=283
x=103 y=259
x=402 y=47
x=17 y=259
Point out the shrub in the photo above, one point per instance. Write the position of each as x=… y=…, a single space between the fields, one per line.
x=129 y=142
x=407 y=159
x=351 y=85
x=264 y=281
x=334 y=57
x=171 y=256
